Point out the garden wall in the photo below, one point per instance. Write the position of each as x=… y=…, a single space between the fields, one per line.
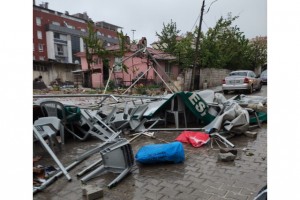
x=213 y=77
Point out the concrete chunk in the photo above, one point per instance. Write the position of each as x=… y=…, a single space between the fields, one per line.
x=229 y=150
x=85 y=188
x=94 y=194
x=251 y=134
x=226 y=157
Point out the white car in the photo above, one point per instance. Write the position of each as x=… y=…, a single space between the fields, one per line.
x=245 y=80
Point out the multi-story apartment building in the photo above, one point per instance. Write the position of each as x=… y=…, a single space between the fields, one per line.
x=57 y=37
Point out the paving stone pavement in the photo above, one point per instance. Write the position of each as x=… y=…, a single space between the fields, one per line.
x=201 y=176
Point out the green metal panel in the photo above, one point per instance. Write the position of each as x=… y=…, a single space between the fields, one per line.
x=197 y=106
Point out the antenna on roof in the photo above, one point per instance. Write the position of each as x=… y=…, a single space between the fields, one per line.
x=133 y=34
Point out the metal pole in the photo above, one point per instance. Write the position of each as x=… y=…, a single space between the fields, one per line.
x=121 y=62
x=197 y=46
x=136 y=81
x=97 y=95
x=162 y=71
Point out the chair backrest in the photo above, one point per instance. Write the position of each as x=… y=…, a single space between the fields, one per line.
x=53 y=109
x=138 y=112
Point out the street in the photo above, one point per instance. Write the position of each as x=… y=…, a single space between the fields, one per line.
x=262 y=92
x=200 y=176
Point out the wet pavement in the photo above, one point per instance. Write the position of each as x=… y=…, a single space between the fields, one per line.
x=201 y=176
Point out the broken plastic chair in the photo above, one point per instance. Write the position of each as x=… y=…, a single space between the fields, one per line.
x=252 y=112
x=177 y=107
x=118 y=121
x=37 y=131
x=69 y=115
x=48 y=128
x=92 y=124
x=132 y=117
x=136 y=120
x=117 y=157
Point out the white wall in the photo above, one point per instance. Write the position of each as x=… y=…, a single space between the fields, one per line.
x=69 y=44
x=50 y=44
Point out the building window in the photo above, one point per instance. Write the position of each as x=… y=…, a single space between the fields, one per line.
x=168 y=69
x=41 y=49
x=60 y=49
x=56 y=23
x=40 y=68
x=41 y=58
x=60 y=36
x=39 y=35
x=118 y=65
x=33 y=57
x=38 y=21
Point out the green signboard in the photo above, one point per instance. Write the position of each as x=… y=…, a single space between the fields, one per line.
x=192 y=101
x=197 y=106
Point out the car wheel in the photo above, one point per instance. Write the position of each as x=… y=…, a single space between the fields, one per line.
x=250 y=90
x=260 y=86
x=225 y=91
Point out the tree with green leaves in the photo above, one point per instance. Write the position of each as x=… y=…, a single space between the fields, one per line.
x=167 y=38
x=185 y=50
x=95 y=48
x=225 y=46
x=178 y=46
x=258 y=55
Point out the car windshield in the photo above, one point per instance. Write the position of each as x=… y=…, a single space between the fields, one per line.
x=238 y=74
x=264 y=73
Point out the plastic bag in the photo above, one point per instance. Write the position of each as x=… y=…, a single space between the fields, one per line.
x=158 y=153
x=196 y=139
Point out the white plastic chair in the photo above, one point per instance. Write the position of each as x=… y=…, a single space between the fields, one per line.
x=57 y=109
x=48 y=128
x=177 y=107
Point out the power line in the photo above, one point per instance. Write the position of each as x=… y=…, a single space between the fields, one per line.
x=210 y=6
x=195 y=22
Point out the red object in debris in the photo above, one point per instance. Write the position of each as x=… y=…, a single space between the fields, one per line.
x=196 y=139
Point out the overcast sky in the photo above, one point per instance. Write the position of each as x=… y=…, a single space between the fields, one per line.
x=147 y=16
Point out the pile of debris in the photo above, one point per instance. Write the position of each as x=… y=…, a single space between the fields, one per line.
x=139 y=116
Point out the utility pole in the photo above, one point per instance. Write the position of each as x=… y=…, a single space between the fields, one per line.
x=133 y=34
x=197 y=47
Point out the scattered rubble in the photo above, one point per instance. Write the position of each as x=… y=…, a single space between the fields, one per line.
x=251 y=134
x=136 y=116
x=226 y=157
x=92 y=192
x=229 y=150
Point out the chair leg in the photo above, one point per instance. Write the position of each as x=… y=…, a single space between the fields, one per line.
x=54 y=141
x=119 y=177
x=62 y=133
x=94 y=173
x=185 y=119
x=257 y=118
x=166 y=114
x=176 y=119
x=50 y=141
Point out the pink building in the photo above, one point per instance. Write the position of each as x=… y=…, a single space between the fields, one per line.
x=137 y=64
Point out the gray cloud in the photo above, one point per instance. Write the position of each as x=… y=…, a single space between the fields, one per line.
x=147 y=17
